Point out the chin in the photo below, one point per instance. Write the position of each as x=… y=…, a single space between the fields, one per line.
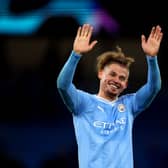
x=112 y=94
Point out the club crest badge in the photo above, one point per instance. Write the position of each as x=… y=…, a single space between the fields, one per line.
x=121 y=108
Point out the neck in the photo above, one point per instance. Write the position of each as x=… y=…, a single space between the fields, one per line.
x=110 y=97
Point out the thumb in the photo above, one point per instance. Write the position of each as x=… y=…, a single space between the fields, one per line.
x=93 y=43
x=143 y=38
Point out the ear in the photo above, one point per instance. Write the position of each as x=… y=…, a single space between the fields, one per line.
x=99 y=74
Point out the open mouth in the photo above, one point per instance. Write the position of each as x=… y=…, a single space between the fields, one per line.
x=114 y=86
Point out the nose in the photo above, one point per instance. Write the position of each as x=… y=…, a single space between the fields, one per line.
x=116 y=79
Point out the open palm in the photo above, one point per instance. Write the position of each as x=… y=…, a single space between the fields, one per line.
x=152 y=44
x=82 y=40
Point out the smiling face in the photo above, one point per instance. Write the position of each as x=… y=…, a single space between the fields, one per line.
x=113 y=80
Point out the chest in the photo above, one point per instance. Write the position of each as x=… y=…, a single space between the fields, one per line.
x=106 y=119
x=107 y=112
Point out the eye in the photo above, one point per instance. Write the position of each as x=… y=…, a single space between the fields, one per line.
x=122 y=78
x=113 y=74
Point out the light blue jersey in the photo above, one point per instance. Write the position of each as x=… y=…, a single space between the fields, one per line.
x=103 y=129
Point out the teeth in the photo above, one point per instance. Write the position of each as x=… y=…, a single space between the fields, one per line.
x=114 y=86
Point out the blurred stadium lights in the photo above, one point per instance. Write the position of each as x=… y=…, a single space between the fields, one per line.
x=29 y=21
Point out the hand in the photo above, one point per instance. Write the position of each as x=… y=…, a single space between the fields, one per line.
x=152 y=44
x=82 y=41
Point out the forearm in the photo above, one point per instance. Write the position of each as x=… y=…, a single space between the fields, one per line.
x=154 y=78
x=147 y=93
x=66 y=89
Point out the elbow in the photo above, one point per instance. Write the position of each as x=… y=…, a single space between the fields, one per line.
x=58 y=84
x=62 y=84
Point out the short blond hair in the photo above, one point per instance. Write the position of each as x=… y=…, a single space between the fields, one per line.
x=110 y=57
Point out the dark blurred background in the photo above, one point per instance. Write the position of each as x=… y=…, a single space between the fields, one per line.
x=36 y=38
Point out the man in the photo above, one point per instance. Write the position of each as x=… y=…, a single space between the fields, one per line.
x=103 y=122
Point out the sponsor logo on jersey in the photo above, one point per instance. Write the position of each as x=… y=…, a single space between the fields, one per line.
x=107 y=128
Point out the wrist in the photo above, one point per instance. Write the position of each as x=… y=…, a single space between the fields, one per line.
x=77 y=52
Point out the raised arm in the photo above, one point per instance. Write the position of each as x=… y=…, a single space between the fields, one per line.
x=65 y=86
x=150 y=46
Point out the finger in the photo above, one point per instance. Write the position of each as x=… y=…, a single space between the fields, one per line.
x=159 y=38
x=90 y=32
x=79 y=32
x=152 y=32
x=93 y=43
x=87 y=29
x=158 y=33
x=158 y=29
x=83 y=31
x=143 y=38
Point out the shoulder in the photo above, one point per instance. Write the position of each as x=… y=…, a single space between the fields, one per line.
x=127 y=97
